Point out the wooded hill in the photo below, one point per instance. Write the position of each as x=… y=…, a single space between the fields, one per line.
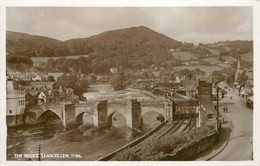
x=134 y=37
x=129 y=48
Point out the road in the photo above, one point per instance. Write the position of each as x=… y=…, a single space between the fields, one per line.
x=240 y=145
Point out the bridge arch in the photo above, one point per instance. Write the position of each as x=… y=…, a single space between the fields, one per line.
x=85 y=117
x=155 y=113
x=42 y=117
x=160 y=111
x=79 y=118
x=110 y=118
x=80 y=110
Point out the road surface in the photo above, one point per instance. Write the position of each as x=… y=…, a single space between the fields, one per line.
x=240 y=145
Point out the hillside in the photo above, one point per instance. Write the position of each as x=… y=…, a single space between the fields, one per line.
x=26 y=44
x=129 y=48
x=236 y=48
x=141 y=37
x=133 y=36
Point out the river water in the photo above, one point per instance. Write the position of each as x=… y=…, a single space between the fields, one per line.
x=73 y=142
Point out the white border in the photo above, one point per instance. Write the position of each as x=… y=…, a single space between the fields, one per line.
x=133 y=3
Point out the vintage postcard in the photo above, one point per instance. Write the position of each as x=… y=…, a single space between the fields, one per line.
x=129 y=83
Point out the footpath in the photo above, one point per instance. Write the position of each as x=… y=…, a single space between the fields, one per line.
x=223 y=141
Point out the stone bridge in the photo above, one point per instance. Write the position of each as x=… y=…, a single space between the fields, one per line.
x=100 y=113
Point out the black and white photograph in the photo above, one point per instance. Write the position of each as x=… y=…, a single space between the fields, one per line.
x=172 y=83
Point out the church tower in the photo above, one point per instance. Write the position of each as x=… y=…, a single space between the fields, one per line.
x=238 y=69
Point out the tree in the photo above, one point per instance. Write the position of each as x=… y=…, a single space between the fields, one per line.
x=72 y=81
x=242 y=78
x=218 y=76
x=93 y=78
x=145 y=75
x=230 y=76
x=50 y=78
x=197 y=71
x=119 y=81
x=186 y=73
x=80 y=88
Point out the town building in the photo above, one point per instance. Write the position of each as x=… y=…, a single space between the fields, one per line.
x=31 y=97
x=51 y=96
x=42 y=85
x=113 y=70
x=15 y=100
x=249 y=87
x=177 y=79
x=39 y=64
x=55 y=75
x=185 y=63
x=37 y=78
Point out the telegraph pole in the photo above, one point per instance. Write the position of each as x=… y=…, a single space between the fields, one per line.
x=39 y=152
x=217 y=102
x=217 y=113
x=199 y=113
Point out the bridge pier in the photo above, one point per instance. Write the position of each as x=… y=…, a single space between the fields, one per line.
x=170 y=109
x=134 y=114
x=63 y=116
x=199 y=118
x=100 y=114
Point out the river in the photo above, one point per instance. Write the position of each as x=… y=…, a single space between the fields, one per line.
x=75 y=142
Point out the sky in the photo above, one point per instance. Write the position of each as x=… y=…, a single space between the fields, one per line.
x=189 y=24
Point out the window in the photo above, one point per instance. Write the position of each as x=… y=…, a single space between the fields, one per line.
x=10 y=111
x=19 y=102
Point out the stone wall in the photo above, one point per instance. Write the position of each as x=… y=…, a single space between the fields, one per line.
x=14 y=120
x=30 y=118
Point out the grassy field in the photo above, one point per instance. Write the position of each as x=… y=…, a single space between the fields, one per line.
x=230 y=59
x=247 y=57
x=213 y=51
x=184 y=56
x=45 y=59
x=212 y=60
x=201 y=67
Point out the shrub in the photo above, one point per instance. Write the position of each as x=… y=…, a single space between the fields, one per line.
x=127 y=155
x=156 y=148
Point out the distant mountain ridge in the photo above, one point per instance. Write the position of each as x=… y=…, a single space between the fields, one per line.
x=133 y=35
x=33 y=45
